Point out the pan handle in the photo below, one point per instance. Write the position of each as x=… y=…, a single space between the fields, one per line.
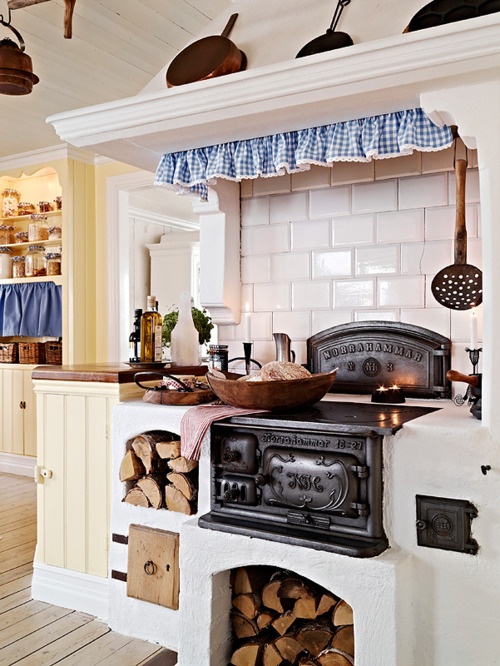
x=460 y=246
x=338 y=11
x=229 y=25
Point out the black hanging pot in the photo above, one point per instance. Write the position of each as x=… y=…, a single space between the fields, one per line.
x=331 y=39
x=16 y=71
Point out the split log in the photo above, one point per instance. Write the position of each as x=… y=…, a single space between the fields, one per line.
x=182 y=483
x=344 y=640
x=176 y=501
x=265 y=618
x=247 y=655
x=326 y=603
x=145 y=449
x=182 y=465
x=271 y=656
x=315 y=637
x=306 y=608
x=333 y=657
x=342 y=614
x=289 y=648
x=242 y=626
x=151 y=487
x=169 y=450
x=294 y=588
x=250 y=580
x=247 y=604
x=136 y=497
x=283 y=622
x=270 y=597
x=131 y=467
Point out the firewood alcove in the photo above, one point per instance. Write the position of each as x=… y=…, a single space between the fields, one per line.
x=280 y=618
x=157 y=476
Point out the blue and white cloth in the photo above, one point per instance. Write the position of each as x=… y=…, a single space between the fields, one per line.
x=375 y=137
x=32 y=309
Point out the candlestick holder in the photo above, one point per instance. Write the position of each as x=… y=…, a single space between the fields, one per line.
x=474 y=357
x=473 y=392
x=247 y=350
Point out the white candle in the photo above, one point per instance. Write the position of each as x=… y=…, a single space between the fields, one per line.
x=246 y=321
x=473 y=329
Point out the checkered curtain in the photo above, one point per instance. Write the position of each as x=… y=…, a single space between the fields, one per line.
x=375 y=137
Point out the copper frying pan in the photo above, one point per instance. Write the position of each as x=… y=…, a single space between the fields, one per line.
x=207 y=58
x=459 y=286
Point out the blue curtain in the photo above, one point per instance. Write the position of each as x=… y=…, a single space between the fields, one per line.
x=375 y=137
x=32 y=309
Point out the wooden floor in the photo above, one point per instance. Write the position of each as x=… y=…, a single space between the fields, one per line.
x=33 y=633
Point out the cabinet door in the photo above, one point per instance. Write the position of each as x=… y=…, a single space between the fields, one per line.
x=29 y=414
x=11 y=411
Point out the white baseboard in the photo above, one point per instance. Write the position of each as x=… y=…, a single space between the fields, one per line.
x=11 y=463
x=70 y=589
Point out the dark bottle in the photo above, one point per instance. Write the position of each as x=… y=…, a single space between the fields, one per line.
x=135 y=338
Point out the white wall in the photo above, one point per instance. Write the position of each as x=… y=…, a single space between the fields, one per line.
x=352 y=243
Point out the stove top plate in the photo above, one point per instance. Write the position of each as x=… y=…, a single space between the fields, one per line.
x=342 y=416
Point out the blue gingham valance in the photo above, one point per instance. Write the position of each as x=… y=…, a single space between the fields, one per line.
x=375 y=137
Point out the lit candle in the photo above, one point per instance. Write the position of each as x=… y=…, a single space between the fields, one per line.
x=473 y=329
x=246 y=321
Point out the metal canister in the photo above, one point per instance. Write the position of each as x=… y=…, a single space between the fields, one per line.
x=218 y=357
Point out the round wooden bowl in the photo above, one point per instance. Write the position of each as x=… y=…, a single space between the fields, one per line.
x=272 y=396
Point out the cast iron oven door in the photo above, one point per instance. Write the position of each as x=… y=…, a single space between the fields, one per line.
x=370 y=354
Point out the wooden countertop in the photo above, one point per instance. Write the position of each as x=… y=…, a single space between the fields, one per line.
x=111 y=373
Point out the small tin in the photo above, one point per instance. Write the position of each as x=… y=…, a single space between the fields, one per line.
x=218 y=357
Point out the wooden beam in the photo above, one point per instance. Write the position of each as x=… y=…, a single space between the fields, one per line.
x=20 y=4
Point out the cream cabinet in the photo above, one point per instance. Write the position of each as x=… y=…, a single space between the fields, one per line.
x=17 y=410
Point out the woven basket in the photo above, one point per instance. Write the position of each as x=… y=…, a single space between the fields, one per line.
x=53 y=353
x=31 y=352
x=8 y=352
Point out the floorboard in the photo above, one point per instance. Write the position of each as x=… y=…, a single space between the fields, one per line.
x=34 y=633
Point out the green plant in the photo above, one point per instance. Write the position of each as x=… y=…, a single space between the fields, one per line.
x=202 y=322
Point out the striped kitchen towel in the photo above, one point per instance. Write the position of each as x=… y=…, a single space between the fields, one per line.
x=196 y=422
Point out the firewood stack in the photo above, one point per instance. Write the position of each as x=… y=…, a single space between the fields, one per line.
x=281 y=619
x=157 y=475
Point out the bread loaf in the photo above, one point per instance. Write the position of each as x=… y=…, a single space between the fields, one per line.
x=277 y=371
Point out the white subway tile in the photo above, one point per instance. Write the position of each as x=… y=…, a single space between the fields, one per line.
x=290 y=266
x=460 y=327
x=260 y=327
x=346 y=173
x=425 y=258
x=255 y=211
x=265 y=240
x=311 y=295
x=353 y=229
x=255 y=268
x=295 y=324
x=377 y=260
x=435 y=319
x=288 y=207
x=332 y=263
x=310 y=234
x=440 y=222
x=313 y=178
x=263 y=352
x=401 y=292
x=471 y=187
x=270 y=297
x=325 y=319
x=374 y=197
x=376 y=315
x=247 y=297
x=272 y=185
x=354 y=293
x=440 y=160
x=475 y=252
x=423 y=191
x=334 y=201
x=406 y=165
x=400 y=226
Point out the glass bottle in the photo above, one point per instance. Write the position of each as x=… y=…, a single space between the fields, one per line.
x=151 y=330
x=35 y=264
x=184 y=339
x=5 y=262
x=135 y=338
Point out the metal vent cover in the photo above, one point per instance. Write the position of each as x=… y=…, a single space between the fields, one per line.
x=370 y=354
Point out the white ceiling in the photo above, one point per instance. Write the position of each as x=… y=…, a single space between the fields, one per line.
x=117 y=47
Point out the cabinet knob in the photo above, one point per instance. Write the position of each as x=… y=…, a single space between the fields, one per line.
x=22 y=404
x=150 y=568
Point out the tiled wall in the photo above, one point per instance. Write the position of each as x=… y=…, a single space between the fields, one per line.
x=353 y=243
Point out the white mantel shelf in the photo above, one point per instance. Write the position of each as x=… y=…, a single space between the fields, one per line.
x=375 y=77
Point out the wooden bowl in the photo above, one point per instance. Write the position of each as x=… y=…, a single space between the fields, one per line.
x=272 y=396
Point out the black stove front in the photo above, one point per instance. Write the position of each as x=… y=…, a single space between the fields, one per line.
x=312 y=478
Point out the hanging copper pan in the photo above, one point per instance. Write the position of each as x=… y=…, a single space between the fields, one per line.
x=207 y=58
x=16 y=71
